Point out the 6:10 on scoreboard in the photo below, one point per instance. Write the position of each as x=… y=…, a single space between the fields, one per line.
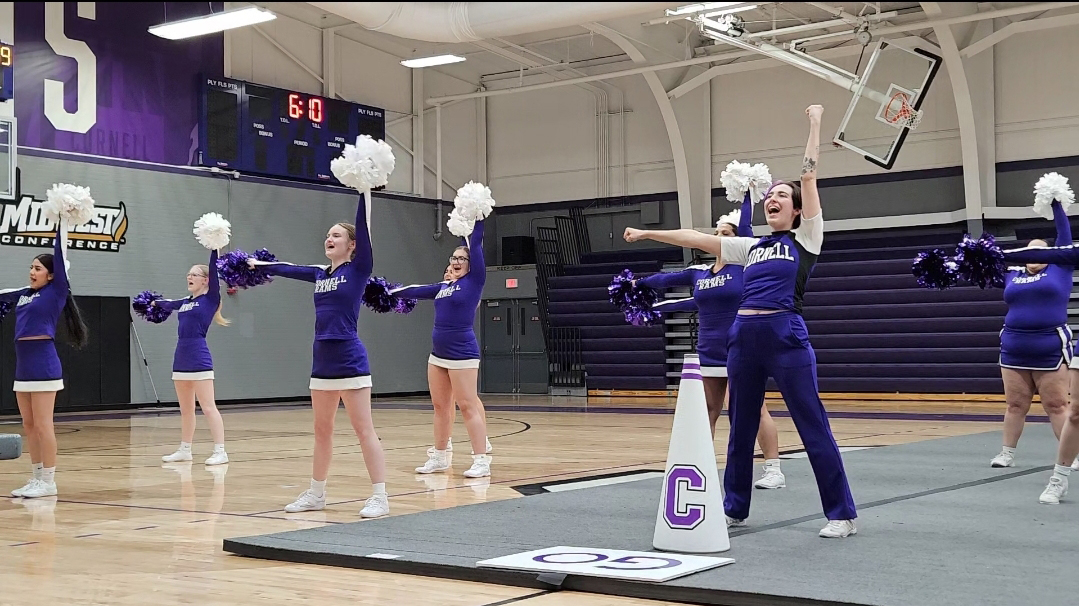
x=275 y=132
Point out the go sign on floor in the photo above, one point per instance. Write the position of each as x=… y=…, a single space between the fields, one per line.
x=612 y=563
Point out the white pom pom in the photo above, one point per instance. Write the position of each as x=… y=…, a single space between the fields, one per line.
x=733 y=218
x=364 y=166
x=474 y=201
x=213 y=231
x=70 y=202
x=460 y=226
x=1052 y=186
x=738 y=178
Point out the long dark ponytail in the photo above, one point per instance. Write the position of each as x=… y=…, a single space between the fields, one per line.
x=73 y=330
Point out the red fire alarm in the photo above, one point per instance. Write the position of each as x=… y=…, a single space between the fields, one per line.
x=511 y=282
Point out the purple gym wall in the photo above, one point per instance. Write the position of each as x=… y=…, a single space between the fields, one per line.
x=146 y=105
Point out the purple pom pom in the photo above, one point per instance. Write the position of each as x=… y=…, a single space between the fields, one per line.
x=5 y=309
x=981 y=261
x=624 y=295
x=377 y=297
x=141 y=304
x=233 y=270
x=935 y=269
x=642 y=317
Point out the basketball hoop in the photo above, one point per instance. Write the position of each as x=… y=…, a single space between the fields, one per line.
x=899 y=113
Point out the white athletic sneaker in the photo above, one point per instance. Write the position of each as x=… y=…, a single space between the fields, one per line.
x=1057 y=488
x=732 y=523
x=1004 y=459
x=435 y=462
x=772 y=478
x=376 y=506
x=307 y=502
x=178 y=456
x=218 y=458
x=837 y=529
x=481 y=467
x=18 y=491
x=1075 y=464
x=38 y=489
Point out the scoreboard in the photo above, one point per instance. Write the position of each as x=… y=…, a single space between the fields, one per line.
x=276 y=132
x=7 y=71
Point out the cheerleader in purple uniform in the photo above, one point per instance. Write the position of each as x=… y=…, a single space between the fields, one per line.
x=38 y=374
x=340 y=369
x=453 y=366
x=192 y=365
x=717 y=291
x=769 y=338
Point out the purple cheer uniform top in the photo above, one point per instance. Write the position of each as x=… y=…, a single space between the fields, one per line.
x=453 y=339
x=192 y=360
x=1036 y=335
x=37 y=312
x=339 y=359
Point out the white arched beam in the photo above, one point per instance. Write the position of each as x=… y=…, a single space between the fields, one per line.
x=670 y=121
x=964 y=106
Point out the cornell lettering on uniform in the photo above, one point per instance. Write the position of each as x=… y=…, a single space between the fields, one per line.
x=778 y=250
x=27 y=299
x=188 y=306
x=329 y=284
x=713 y=282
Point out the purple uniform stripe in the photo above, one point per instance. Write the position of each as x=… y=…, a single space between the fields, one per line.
x=689 y=374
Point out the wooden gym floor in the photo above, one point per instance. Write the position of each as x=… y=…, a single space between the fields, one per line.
x=127 y=529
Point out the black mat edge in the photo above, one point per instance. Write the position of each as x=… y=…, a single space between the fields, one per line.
x=584 y=584
x=536 y=488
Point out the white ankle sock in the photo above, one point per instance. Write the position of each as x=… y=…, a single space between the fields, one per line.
x=379 y=488
x=185 y=446
x=48 y=475
x=771 y=463
x=318 y=488
x=219 y=448
x=1009 y=449
x=1062 y=470
x=37 y=467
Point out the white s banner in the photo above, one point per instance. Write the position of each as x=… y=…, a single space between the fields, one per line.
x=86 y=115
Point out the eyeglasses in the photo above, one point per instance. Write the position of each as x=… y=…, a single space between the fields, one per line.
x=195 y=275
x=456 y=259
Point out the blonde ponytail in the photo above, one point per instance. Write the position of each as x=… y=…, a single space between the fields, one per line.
x=221 y=320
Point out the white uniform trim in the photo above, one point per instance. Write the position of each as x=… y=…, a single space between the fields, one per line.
x=258 y=262
x=810 y=234
x=205 y=375
x=719 y=372
x=24 y=386
x=452 y=364
x=340 y=384
x=735 y=250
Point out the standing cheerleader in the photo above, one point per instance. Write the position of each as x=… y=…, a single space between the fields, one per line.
x=38 y=374
x=340 y=369
x=453 y=366
x=1035 y=344
x=769 y=338
x=717 y=291
x=193 y=366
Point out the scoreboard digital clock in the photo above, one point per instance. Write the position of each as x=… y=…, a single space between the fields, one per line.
x=275 y=132
x=7 y=71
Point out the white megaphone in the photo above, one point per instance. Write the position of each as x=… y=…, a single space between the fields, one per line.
x=691 y=517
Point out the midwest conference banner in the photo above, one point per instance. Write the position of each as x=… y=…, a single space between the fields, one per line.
x=90 y=78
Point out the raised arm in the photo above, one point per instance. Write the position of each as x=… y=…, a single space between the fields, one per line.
x=1064 y=226
x=11 y=295
x=59 y=268
x=668 y=279
x=675 y=305
x=170 y=304
x=418 y=291
x=810 y=196
x=364 y=261
x=306 y=273
x=477 y=265
x=745 y=222
x=730 y=250
x=215 y=286
x=1051 y=255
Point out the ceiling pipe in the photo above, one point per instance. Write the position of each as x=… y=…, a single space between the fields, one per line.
x=472 y=21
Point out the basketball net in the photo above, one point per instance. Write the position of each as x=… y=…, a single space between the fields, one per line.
x=900 y=113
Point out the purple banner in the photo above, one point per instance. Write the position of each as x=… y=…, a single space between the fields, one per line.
x=99 y=83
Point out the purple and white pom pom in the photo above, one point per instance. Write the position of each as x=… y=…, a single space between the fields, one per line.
x=233 y=270
x=5 y=309
x=365 y=165
x=473 y=201
x=624 y=295
x=981 y=262
x=377 y=297
x=404 y=306
x=141 y=304
x=213 y=231
x=935 y=269
x=72 y=203
x=1052 y=186
x=642 y=317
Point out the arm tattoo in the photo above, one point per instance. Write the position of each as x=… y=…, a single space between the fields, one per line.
x=808 y=165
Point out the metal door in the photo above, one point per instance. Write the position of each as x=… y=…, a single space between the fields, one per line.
x=497 y=352
x=532 y=371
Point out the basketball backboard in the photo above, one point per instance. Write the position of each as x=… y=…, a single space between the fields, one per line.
x=8 y=157
x=887 y=102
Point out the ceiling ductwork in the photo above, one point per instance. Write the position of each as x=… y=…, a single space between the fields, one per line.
x=471 y=21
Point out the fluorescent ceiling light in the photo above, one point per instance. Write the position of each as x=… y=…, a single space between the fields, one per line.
x=734 y=9
x=699 y=8
x=432 y=61
x=211 y=24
